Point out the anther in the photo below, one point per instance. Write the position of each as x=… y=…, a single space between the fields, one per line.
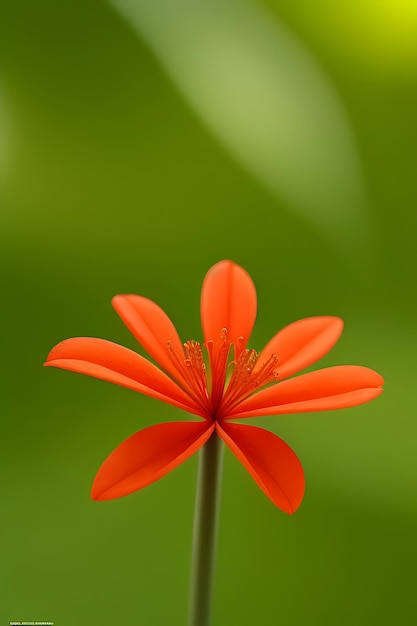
x=247 y=377
x=191 y=368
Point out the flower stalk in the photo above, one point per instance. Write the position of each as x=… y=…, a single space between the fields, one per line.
x=206 y=522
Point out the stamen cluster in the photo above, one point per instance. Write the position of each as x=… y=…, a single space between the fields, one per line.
x=210 y=385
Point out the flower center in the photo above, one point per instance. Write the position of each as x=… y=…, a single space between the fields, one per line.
x=210 y=386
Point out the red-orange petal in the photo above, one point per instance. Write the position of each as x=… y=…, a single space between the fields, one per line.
x=154 y=330
x=324 y=390
x=302 y=343
x=269 y=460
x=148 y=455
x=228 y=300
x=109 y=361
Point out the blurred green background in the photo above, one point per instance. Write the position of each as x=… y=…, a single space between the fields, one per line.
x=140 y=142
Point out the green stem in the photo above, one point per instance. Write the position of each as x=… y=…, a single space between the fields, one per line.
x=205 y=532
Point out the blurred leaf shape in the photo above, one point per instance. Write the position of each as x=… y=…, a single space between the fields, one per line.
x=265 y=98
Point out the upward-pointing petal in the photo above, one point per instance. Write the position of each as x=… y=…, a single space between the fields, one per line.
x=228 y=300
x=302 y=343
x=154 y=330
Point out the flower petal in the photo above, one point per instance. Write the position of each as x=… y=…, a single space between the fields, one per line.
x=269 y=460
x=331 y=388
x=228 y=300
x=109 y=361
x=148 y=455
x=151 y=326
x=302 y=343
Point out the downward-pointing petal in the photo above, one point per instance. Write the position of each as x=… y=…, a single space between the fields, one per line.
x=331 y=388
x=109 y=361
x=270 y=462
x=302 y=343
x=228 y=300
x=148 y=455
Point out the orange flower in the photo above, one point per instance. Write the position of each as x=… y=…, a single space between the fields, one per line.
x=236 y=384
